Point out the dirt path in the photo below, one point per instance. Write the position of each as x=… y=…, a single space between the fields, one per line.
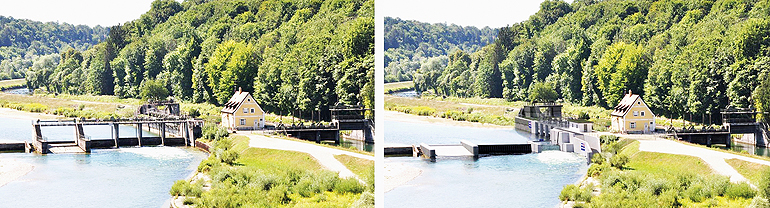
x=324 y=155
x=715 y=159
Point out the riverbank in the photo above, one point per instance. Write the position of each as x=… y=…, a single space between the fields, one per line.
x=403 y=117
x=17 y=114
x=397 y=174
x=10 y=170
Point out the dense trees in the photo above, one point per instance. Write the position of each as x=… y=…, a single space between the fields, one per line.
x=408 y=44
x=687 y=58
x=23 y=41
x=293 y=55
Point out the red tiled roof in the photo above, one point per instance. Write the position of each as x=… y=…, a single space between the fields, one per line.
x=625 y=105
x=232 y=105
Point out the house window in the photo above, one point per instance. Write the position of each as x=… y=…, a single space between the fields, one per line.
x=633 y=125
x=638 y=102
x=642 y=113
x=636 y=113
x=650 y=123
x=243 y=121
x=249 y=99
x=245 y=110
x=252 y=110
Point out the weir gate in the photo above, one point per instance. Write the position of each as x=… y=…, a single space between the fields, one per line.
x=344 y=118
x=171 y=132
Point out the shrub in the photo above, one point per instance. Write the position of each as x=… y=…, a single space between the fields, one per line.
x=606 y=139
x=349 y=185
x=618 y=161
x=366 y=200
x=208 y=164
x=741 y=190
x=598 y=159
x=597 y=170
x=229 y=156
x=185 y=188
x=213 y=132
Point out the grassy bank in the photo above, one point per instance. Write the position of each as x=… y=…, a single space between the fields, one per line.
x=242 y=176
x=398 y=86
x=12 y=83
x=750 y=170
x=363 y=168
x=629 y=177
x=500 y=111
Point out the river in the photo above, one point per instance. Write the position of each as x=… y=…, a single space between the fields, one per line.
x=530 y=180
x=123 y=177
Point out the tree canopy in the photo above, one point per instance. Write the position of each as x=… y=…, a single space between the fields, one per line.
x=293 y=55
x=684 y=57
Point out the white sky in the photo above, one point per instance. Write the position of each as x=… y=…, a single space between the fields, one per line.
x=77 y=12
x=479 y=13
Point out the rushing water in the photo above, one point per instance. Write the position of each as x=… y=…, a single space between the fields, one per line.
x=530 y=180
x=124 y=177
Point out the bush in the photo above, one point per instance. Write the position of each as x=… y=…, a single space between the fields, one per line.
x=208 y=164
x=606 y=139
x=349 y=185
x=741 y=190
x=229 y=156
x=366 y=200
x=574 y=193
x=597 y=170
x=213 y=132
x=185 y=188
x=618 y=161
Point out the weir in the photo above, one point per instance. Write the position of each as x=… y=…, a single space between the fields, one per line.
x=172 y=132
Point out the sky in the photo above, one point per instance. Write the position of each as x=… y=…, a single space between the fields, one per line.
x=479 y=13
x=77 y=12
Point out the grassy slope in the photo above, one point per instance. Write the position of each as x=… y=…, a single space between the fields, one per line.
x=750 y=170
x=361 y=167
x=661 y=163
x=398 y=86
x=5 y=84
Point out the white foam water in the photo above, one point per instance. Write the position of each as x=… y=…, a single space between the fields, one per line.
x=160 y=153
x=559 y=157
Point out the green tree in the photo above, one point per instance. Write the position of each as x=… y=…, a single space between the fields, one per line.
x=542 y=92
x=153 y=90
x=761 y=96
x=623 y=67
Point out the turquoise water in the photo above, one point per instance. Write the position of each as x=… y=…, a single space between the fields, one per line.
x=124 y=177
x=530 y=180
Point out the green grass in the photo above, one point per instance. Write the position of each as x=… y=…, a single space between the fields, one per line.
x=398 y=86
x=363 y=168
x=12 y=83
x=277 y=160
x=750 y=170
x=662 y=163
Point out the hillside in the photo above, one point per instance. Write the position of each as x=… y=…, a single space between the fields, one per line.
x=409 y=44
x=294 y=55
x=688 y=58
x=24 y=41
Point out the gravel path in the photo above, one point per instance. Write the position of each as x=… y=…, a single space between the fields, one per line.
x=324 y=155
x=715 y=159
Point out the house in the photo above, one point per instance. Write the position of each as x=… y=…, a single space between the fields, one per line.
x=242 y=112
x=632 y=115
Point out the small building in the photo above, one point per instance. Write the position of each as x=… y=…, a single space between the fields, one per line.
x=242 y=112
x=581 y=125
x=632 y=115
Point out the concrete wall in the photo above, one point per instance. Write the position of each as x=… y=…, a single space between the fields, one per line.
x=428 y=151
x=471 y=147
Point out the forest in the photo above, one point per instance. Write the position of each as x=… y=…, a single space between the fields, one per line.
x=293 y=55
x=687 y=58
x=23 y=42
x=410 y=45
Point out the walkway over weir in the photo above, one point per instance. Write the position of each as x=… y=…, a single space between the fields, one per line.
x=172 y=132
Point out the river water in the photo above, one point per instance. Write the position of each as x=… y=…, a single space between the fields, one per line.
x=124 y=177
x=530 y=180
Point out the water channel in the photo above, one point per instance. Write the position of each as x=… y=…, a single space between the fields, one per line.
x=530 y=180
x=124 y=177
